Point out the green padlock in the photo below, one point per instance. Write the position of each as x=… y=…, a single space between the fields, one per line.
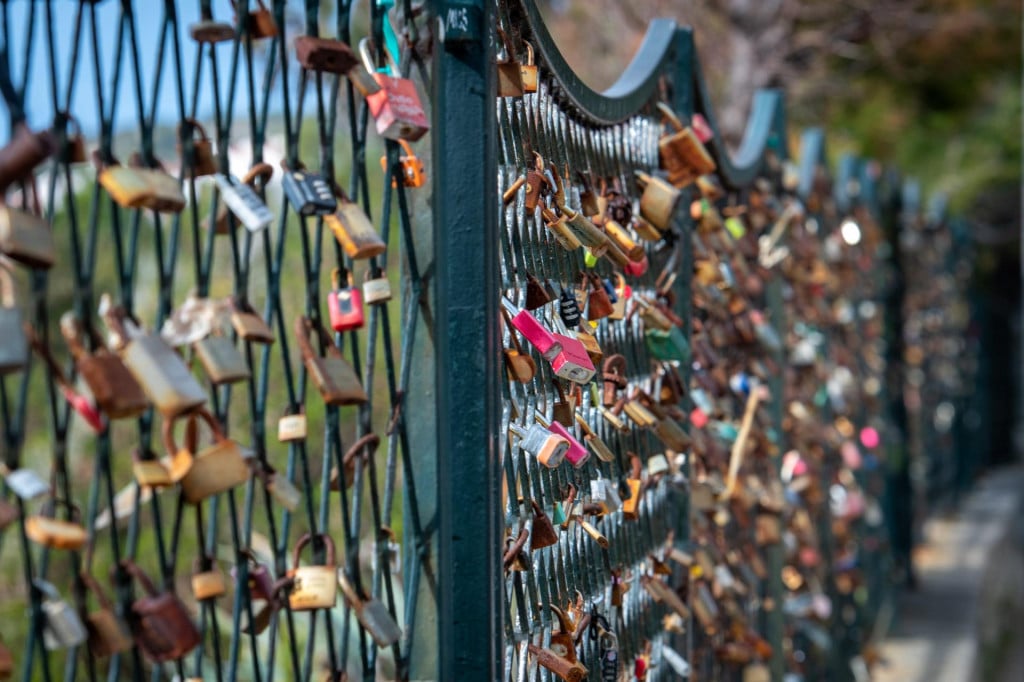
x=667 y=345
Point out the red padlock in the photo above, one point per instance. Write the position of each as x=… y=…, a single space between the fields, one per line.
x=396 y=107
x=345 y=304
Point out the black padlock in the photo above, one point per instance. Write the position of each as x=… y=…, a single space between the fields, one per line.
x=569 y=308
x=309 y=193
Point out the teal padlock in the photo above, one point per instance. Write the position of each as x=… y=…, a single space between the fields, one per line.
x=667 y=345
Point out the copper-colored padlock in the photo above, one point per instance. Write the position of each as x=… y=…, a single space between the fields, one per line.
x=25 y=150
x=325 y=55
x=570 y=671
x=202 y=160
x=248 y=324
x=333 y=376
x=26 y=238
x=206 y=30
x=113 y=387
x=313 y=587
x=510 y=73
x=543 y=533
x=108 y=635
x=260 y=22
x=683 y=155
x=74 y=142
x=599 y=305
x=159 y=621
x=371 y=613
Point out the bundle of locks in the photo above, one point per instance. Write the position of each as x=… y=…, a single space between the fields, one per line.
x=195 y=554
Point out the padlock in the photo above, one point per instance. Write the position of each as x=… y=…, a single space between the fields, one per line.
x=510 y=73
x=604 y=493
x=631 y=505
x=160 y=371
x=658 y=201
x=362 y=449
x=371 y=613
x=377 y=289
x=564 y=408
x=308 y=193
x=591 y=346
x=577 y=455
x=558 y=228
x=25 y=150
x=282 y=489
x=596 y=445
x=108 y=635
x=653 y=316
x=683 y=154
x=549 y=448
x=562 y=642
x=529 y=70
x=260 y=581
x=542 y=533
x=200 y=160
x=536 y=184
x=639 y=414
x=354 y=231
x=260 y=22
x=261 y=619
x=519 y=365
x=149 y=471
x=26 y=484
x=208 y=31
x=536 y=295
x=344 y=304
x=414 y=173
x=113 y=387
x=81 y=404
x=313 y=587
x=599 y=305
x=331 y=374
x=26 y=238
x=362 y=80
x=48 y=531
x=247 y=322
x=6 y=662
x=609 y=644
x=159 y=621
x=73 y=151
x=137 y=187
x=207 y=580
x=325 y=55
x=396 y=107
x=221 y=359
x=62 y=626
x=292 y=426
x=624 y=241
x=570 y=671
x=568 y=309
x=667 y=345
x=216 y=469
x=568 y=357
x=244 y=202
x=14 y=349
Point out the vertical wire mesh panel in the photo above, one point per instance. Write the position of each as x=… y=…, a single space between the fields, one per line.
x=173 y=92
x=600 y=549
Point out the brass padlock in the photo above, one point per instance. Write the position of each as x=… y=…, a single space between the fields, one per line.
x=260 y=22
x=371 y=613
x=62 y=626
x=376 y=290
x=164 y=377
x=201 y=160
x=354 y=231
x=151 y=472
x=624 y=241
x=108 y=635
x=658 y=201
x=14 y=349
x=313 y=587
x=510 y=73
x=529 y=70
x=26 y=150
x=683 y=155
x=47 y=530
x=221 y=359
x=565 y=237
x=113 y=387
x=292 y=426
x=26 y=238
x=331 y=374
x=206 y=30
x=248 y=324
x=207 y=580
x=326 y=55
x=134 y=186
x=216 y=469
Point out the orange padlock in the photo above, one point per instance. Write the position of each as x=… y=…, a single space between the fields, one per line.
x=413 y=172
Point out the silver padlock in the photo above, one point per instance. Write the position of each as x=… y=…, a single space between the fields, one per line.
x=371 y=613
x=549 y=448
x=243 y=201
x=376 y=290
x=27 y=484
x=63 y=627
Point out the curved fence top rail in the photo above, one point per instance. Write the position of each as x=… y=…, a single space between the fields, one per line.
x=636 y=86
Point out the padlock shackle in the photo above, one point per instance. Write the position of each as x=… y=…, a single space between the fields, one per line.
x=365 y=47
x=93 y=585
x=262 y=170
x=137 y=573
x=307 y=538
x=193 y=125
x=167 y=430
x=303 y=328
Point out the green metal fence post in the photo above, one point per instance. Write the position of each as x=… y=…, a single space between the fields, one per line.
x=466 y=333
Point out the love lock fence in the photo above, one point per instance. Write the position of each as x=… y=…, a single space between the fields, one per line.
x=572 y=393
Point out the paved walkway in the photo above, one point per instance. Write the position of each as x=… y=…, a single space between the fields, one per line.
x=965 y=621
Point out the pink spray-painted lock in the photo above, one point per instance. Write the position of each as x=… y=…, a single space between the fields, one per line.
x=85 y=409
x=568 y=356
x=576 y=454
x=533 y=331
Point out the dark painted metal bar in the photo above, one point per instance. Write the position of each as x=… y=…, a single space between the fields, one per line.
x=812 y=156
x=466 y=338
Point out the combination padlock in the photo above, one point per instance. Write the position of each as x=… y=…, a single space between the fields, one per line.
x=345 y=304
x=243 y=201
x=549 y=448
x=308 y=193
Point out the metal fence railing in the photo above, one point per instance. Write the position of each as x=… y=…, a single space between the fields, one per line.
x=547 y=383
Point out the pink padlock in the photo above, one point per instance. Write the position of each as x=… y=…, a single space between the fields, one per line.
x=568 y=356
x=636 y=268
x=576 y=454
